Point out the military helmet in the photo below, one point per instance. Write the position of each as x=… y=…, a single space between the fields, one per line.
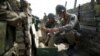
x=51 y=16
x=60 y=9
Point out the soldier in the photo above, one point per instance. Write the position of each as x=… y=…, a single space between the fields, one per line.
x=66 y=31
x=50 y=24
x=16 y=26
x=8 y=37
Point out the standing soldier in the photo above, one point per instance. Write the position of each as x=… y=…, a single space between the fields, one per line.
x=7 y=17
x=15 y=26
x=23 y=35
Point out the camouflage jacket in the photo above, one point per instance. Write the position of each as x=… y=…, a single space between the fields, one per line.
x=69 y=24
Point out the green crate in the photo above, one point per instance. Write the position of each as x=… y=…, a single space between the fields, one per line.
x=47 y=51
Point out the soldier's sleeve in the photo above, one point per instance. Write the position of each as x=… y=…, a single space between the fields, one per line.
x=70 y=25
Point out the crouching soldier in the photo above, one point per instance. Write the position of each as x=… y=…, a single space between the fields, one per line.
x=50 y=24
x=69 y=26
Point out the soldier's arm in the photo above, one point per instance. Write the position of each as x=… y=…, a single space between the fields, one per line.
x=70 y=25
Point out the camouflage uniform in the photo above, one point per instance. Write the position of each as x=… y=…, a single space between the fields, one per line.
x=23 y=35
x=69 y=26
x=18 y=31
x=67 y=30
x=51 y=35
x=8 y=31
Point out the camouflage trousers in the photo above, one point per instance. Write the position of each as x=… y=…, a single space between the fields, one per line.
x=67 y=37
